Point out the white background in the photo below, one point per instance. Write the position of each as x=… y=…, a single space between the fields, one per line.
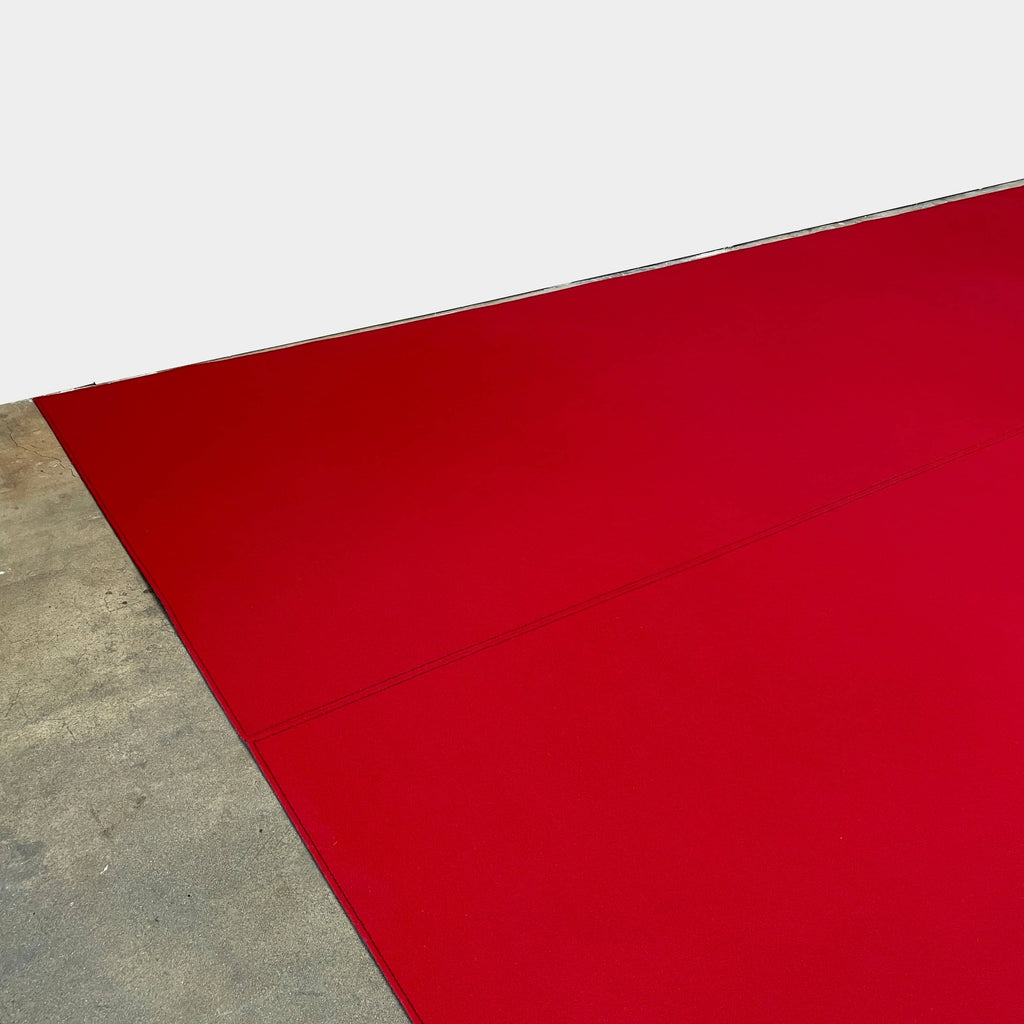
x=187 y=180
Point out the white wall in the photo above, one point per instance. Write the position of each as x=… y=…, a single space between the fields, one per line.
x=192 y=179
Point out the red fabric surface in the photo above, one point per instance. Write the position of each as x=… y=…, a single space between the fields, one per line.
x=501 y=603
x=787 y=785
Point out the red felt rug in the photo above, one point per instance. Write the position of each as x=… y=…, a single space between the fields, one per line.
x=651 y=649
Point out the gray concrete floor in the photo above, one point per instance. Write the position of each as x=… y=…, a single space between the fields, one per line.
x=147 y=872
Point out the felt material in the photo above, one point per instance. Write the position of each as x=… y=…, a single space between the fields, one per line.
x=445 y=577
x=785 y=785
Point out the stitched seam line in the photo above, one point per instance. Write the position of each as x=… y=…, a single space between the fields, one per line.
x=646 y=581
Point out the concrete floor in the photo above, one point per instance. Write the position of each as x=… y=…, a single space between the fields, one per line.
x=147 y=872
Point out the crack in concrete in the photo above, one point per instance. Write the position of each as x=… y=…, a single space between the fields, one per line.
x=40 y=455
